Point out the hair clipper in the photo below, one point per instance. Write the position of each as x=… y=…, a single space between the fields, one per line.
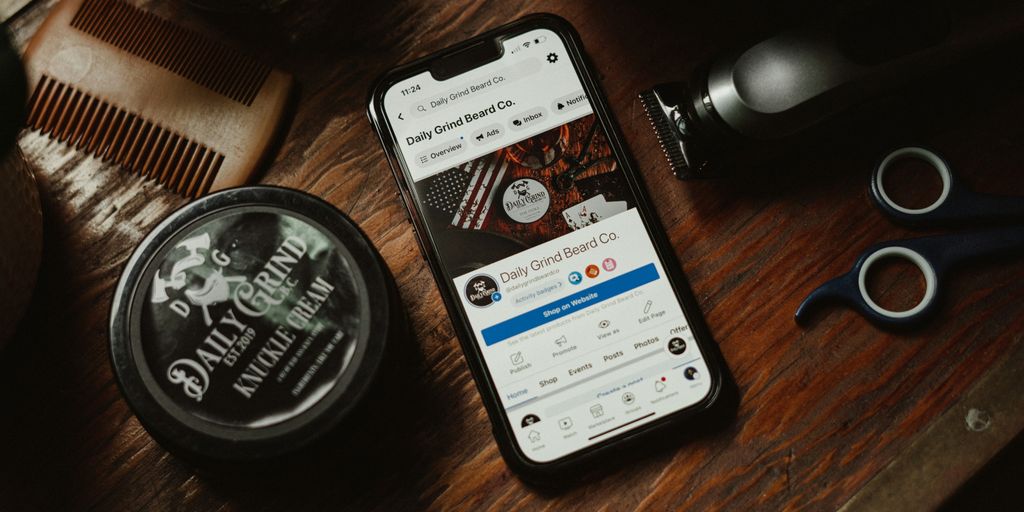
x=755 y=100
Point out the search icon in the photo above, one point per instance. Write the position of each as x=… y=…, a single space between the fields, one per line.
x=484 y=83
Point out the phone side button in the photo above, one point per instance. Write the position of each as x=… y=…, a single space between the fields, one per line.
x=406 y=208
x=419 y=241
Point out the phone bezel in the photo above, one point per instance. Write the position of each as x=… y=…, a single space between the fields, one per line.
x=501 y=423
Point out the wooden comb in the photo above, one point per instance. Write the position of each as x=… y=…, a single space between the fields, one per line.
x=166 y=103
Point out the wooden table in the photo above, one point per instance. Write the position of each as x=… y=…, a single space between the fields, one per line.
x=824 y=409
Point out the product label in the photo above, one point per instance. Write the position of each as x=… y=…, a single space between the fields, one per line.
x=251 y=318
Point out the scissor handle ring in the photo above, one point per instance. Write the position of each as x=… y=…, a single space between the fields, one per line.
x=923 y=155
x=930 y=280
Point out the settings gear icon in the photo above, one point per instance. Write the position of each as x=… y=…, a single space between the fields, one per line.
x=552 y=57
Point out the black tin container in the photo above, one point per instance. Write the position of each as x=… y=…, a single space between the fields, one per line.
x=249 y=324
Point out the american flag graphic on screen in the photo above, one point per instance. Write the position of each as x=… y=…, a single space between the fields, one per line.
x=466 y=192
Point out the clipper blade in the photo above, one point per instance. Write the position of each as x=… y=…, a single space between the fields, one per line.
x=666 y=109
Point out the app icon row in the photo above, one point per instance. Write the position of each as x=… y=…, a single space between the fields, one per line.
x=592 y=271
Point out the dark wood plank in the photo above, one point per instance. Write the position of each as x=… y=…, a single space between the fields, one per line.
x=823 y=409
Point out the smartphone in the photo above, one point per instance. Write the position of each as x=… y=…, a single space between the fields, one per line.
x=569 y=305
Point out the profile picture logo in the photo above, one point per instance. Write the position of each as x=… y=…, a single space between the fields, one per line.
x=482 y=291
x=592 y=271
x=526 y=200
x=575 y=278
x=676 y=346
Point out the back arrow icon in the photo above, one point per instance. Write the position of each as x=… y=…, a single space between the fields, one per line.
x=400 y=118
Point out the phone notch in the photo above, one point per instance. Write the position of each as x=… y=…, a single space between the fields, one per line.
x=471 y=57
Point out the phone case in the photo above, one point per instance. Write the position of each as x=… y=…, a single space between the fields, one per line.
x=716 y=408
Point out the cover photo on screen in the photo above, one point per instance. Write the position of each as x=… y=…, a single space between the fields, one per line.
x=523 y=195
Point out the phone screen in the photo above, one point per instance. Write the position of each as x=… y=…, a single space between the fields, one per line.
x=537 y=228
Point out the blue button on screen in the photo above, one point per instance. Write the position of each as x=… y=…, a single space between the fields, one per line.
x=566 y=306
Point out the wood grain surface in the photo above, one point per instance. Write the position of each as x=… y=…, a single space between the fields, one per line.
x=823 y=409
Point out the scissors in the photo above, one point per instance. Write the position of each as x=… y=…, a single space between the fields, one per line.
x=935 y=256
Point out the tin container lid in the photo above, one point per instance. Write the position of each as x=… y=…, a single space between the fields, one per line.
x=249 y=323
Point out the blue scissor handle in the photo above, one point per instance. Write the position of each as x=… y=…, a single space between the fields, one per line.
x=935 y=256
x=955 y=204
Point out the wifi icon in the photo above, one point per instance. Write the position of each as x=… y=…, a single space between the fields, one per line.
x=526 y=44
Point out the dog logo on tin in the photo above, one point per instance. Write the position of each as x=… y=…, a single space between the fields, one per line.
x=482 y=291
x=215 y=287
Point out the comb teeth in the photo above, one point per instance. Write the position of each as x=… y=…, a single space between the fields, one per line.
x=113 y=134
x=667 y=134
x=189 y=54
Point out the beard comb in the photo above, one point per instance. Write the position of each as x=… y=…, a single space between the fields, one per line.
x=164 y=102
